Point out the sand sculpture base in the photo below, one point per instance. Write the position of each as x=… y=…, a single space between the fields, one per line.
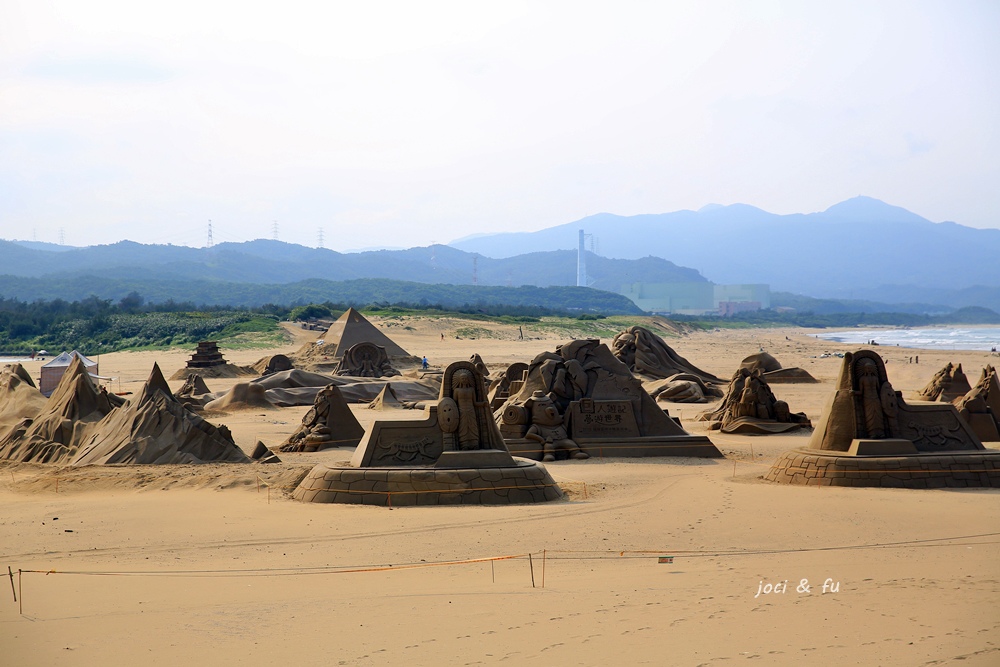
x=913 y=471
x=525 y=482
x=668 y=445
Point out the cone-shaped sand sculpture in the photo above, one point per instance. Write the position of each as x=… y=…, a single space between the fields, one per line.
x=386 y=400
x=980 y=408
x=947 y=385
x=870 y=436
x=455 y=455
x=19 y=397
x=603 y=407
x=751 y=408
x=773 y=372
x=154 y=428
x=63 y=424
x=328 y=423
x=194 y=393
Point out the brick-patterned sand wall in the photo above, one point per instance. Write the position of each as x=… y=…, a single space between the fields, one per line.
x=402 y=487
x=807 y=467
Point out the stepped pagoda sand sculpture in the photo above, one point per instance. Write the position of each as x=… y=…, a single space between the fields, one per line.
x=156 y=428
x=55 y=434
x=603 y=407
x=773 y=372
x=870 y=436
x=454 y=455
x=664 y=372
x=350 y=329
x=328 y=423
x=208 y=361
x=947 y=385
x=751 y=408
x=980 y=408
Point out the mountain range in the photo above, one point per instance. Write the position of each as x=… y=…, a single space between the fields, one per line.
x=861 y=248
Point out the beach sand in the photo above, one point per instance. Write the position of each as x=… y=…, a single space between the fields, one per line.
x=216 y=565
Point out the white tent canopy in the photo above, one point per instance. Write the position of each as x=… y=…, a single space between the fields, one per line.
x=66 y=358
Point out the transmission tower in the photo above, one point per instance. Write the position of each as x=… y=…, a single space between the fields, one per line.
x=274 y=230
x=475 y=270
x=62 y=236
x=320 y=245
x=210 y=241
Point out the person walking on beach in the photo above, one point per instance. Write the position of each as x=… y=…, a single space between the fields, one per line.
x=423 y=363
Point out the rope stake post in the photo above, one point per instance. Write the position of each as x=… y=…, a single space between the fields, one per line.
x=10 y=573
x=531 y=566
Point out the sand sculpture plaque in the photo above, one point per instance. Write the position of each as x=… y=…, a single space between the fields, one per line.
x=750 y=407
x=605 y=408
x=870 y=436
x=454 y=455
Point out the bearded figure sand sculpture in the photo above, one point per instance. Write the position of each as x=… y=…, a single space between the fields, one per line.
x=454 y=455
x=750 y=407
x=603 y=407
x=870 y=436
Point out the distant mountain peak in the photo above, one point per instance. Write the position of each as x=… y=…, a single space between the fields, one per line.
x=862 y=208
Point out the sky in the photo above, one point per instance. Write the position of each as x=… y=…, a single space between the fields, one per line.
x=395 y=124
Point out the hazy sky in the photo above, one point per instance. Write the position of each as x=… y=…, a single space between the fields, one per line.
x=406 y=123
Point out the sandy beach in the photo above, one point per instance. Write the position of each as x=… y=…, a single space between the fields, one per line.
x=216 y=565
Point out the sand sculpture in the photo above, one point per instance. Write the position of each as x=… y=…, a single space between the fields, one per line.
x=19 y=397
x=751 y=408
x=980 y=408
x=194 y=393
x=261 y=454
x=299 y=387
x=243 y=396
x=366 y=360
x=604 y=408
x=648 y=356
x=272 y=364
x=328 y=423
x=505 y=383
x=55 y=434
x=208 y=361
x=388 y=400
x=350 y=329
x=156 y=428
x=870 y=436
x=675 y=379
x=947 y=385
x=772 y=371
x=480 y=365
x=454 y=455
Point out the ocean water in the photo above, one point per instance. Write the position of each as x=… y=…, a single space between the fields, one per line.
x=11 y=360
x=931 y=338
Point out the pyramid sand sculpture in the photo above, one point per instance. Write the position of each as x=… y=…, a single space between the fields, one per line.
x=455 y=455
x=386 y=400
x=328 y=423
x=156 y=428
x=980 y=408
x=947 y=385
x=56 y=433
x=751 y=408
x=870 y=436
x=604 y=408
x=352 y=328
